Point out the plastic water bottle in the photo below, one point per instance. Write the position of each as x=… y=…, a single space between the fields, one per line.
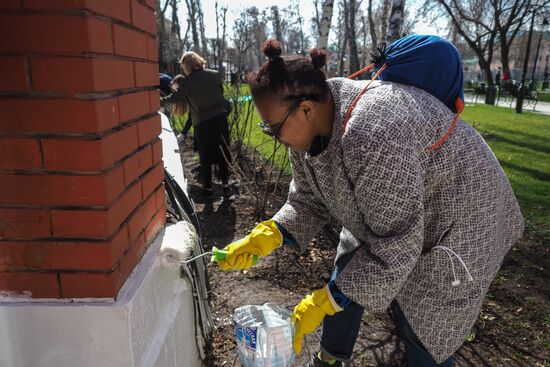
x=264 y=336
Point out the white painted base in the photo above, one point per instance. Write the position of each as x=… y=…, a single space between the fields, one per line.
x=152 y=323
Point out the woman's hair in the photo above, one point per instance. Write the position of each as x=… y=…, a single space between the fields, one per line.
x=192 y=61
x=176 y=81
x=179 y=108
x=291 y=77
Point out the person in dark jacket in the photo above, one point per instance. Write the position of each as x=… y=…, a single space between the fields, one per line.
x=202 y=91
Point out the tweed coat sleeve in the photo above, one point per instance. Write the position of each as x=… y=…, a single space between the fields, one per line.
x=383 y=164
x=303 y=214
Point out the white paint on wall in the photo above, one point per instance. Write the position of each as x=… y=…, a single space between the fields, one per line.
x=150 y=324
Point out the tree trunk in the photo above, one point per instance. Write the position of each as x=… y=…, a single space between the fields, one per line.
x=202 y=31
x=395 y=27
x=276 y=20
x=372 y=28
x=353 y=57
x=328 y=6
x=161 y=34
x=192 y=14
x=344 y=40
x=386 y=7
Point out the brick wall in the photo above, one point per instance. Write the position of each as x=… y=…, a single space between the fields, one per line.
x=81 y=193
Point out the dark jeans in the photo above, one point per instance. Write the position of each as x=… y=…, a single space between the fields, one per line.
x=212 y=137
x=207 y=173
x=340 y=332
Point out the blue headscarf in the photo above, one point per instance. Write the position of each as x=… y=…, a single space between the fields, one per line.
x=427 y=62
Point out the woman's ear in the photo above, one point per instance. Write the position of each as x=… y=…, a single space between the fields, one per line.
x=309 y=108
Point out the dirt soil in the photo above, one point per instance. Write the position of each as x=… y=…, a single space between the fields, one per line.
x=512 y=330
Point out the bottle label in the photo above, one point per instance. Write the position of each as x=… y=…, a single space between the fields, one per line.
x=246 y=336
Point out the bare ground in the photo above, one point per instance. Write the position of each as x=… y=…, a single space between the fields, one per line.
x=512 y=330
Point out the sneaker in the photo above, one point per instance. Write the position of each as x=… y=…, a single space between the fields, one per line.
x=316 y=361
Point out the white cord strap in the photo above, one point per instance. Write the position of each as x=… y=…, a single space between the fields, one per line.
x=451 y=253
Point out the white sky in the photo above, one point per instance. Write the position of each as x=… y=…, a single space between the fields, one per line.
x=306 y=8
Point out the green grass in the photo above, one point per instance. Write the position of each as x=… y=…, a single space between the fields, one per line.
x=521 y=143
x=544 y=96
x=265 y=145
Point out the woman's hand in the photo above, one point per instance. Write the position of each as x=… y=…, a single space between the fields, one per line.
x=309 y=314
x=261 y=241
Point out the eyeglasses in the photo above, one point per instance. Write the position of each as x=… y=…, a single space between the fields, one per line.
x=274 y=130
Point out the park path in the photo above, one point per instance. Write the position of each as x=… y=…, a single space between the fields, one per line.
x=541 y=107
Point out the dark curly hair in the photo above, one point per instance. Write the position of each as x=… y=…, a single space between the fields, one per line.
x=290 y=78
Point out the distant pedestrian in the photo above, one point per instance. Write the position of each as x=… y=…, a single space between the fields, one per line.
x=202 y=92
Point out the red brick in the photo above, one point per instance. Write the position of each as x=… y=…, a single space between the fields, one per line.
x=99 y=35
x=157 y=151
x=89 y=155
x=141 y=218
x=19 y=154
x=76 y=223
x=149 y=130
x=133 y=105
x=152 y=49
x=151 y=3
x=40 y=285
x=57 y=4
x=152 y=180
x=24 y=223
x=51 y=255
x=120 y=10
x=36 y=32
x=154 y=97
x=129 y=42
x=10 y=4
x=13 y=75
x=146 y=74
x=160 y=197
x=61 y=190
x=155 y=225
x=57 y=115
x=136 y=165
x=70 y=75
x=90 y=285
x=132 y=258
x=144 y=17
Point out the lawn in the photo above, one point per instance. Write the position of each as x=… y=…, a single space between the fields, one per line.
x=521 y=143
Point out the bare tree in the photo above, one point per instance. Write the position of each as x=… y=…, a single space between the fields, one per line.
x=175 y=28
x=378 y=30
x=161 y=26
x=353 y=56
x=221 y=14
x=323 y=23
x=276 y=22
x=372 y=27
x=344 y=39
x=192 y=19
x=509 y=17
x=474 y=21
x=384 y=17
x=395 y=27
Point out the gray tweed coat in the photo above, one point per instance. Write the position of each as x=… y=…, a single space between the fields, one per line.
x=395 y=200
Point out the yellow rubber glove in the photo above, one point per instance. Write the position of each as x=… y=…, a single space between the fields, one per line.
x=309 y=314
x=263 y=239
